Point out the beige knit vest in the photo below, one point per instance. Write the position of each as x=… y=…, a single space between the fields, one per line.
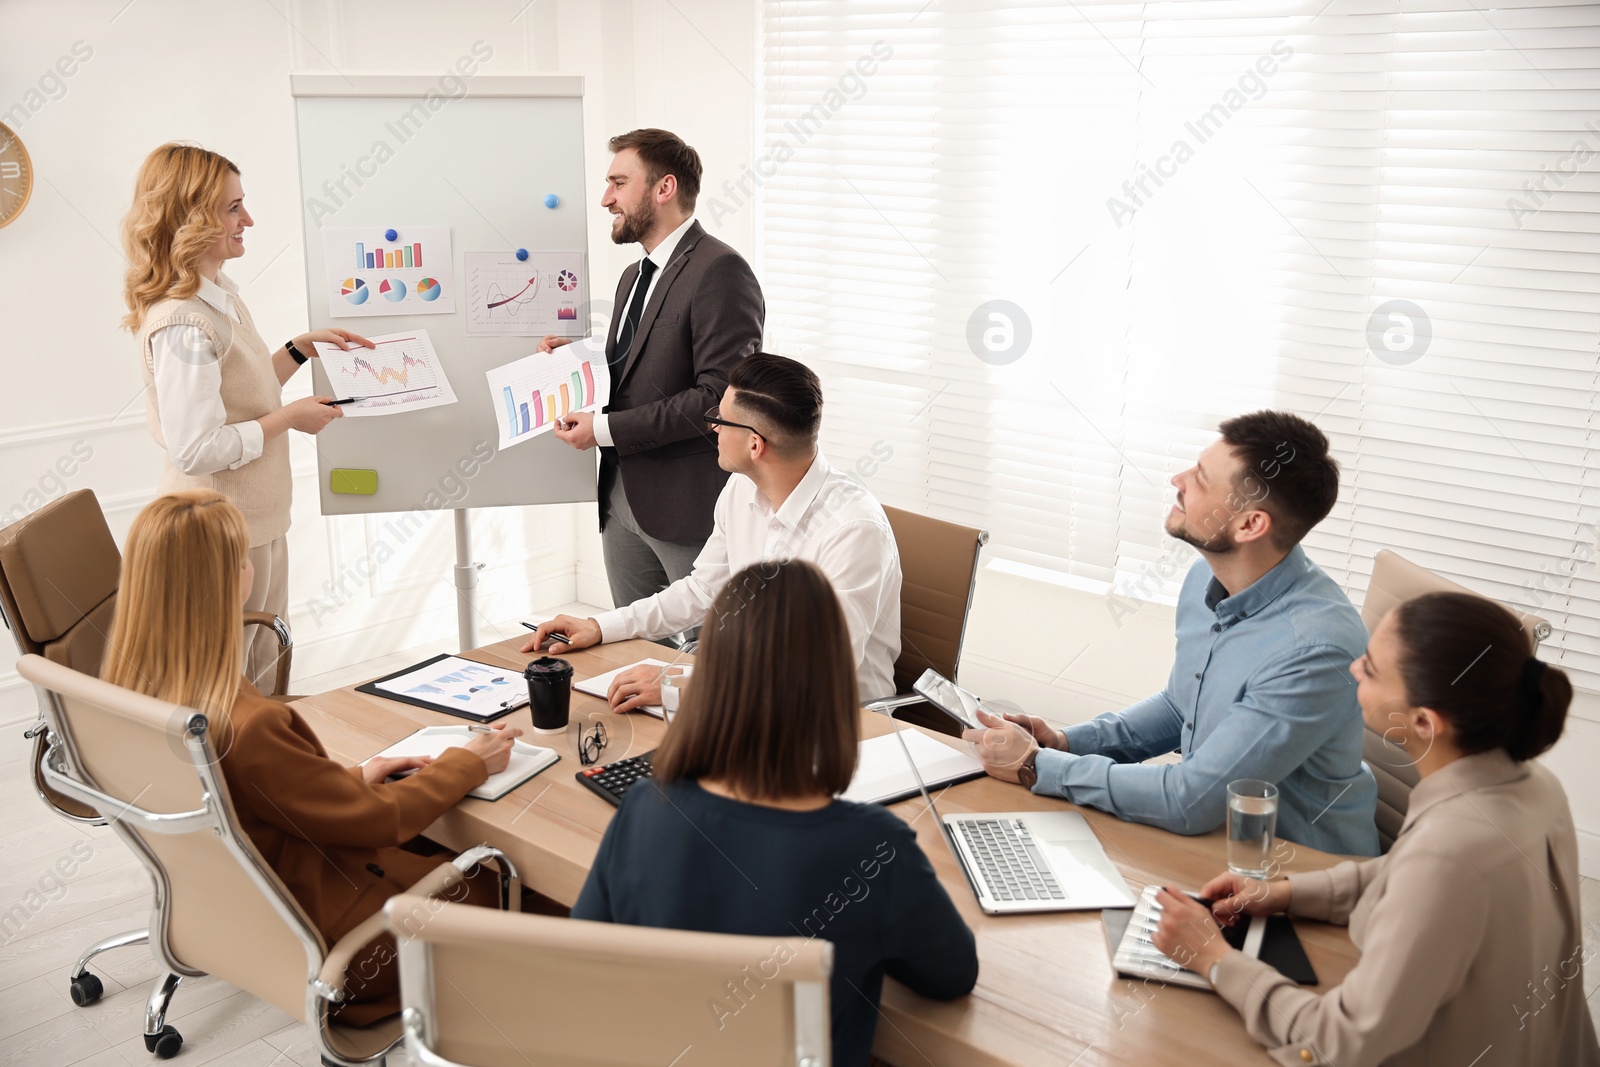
x=261 y=488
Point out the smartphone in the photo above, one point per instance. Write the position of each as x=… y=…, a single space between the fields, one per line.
x=949 y=698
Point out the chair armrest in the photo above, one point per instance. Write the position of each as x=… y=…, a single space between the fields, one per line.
x=280 y=678
x=440 y=880
x=331 y=978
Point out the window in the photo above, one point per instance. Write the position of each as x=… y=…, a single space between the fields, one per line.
x=1037 y=251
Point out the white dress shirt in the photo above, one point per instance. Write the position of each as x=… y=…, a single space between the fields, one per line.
x=831 y=520
x=189 y=397
x=661 y=256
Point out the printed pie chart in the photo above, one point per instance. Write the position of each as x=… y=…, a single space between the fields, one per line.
x=428 y=289
x=393 y=289
x=567 y=280
x=354 y=290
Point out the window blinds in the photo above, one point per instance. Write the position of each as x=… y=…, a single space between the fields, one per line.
x=1037 y=251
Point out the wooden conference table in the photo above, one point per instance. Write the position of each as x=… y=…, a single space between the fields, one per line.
x=1046 y=993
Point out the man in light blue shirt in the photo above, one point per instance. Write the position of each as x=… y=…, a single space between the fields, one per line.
x=1260 y=685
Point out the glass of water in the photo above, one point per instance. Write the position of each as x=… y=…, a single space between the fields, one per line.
x=1252 y=820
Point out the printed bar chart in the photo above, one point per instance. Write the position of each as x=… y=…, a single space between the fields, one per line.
x=532 y=393
x=393 y=270
x=406 y=257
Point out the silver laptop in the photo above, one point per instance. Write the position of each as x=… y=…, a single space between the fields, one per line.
x=1024 y=861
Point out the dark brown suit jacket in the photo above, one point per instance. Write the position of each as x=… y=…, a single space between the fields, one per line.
x=332 y=838
x=705 y=314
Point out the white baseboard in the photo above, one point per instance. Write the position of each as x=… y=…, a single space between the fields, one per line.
x=1588 y=853
x=592 y=584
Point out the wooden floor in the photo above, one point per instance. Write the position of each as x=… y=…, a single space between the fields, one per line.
x=47 y=919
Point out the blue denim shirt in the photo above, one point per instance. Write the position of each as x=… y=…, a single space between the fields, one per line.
x=1260 y=688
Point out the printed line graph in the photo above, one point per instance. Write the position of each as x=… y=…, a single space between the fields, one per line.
x=497 y=298
x=403 y=364
x=383 y=372
x=509 y=297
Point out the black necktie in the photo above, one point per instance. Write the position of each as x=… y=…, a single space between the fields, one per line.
x=630 y=325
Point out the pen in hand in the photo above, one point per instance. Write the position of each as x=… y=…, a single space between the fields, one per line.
x=376 y=396
x=551 y=638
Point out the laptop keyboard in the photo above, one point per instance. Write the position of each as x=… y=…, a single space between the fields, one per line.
x=1008 y=860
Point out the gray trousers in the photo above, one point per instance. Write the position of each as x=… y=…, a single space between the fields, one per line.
x=638 y=565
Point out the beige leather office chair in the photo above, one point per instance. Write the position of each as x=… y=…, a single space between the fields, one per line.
x=150 y=769
x=59 y=569
x=482 y=989
x=939 y=573
x=1395 y=580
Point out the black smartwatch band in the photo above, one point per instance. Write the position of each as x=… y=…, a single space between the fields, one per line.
x=294 y=353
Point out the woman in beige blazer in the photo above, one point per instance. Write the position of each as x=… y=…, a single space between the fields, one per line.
x=1471 y=944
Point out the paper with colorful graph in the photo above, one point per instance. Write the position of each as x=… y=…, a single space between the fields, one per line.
x=402 y=373
x=372 y=272
x=528 y=396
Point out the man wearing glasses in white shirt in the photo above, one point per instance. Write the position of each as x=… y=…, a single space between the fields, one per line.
x=784 y=501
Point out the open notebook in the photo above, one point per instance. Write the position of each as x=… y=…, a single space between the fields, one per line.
x=526 y=760
x=600 y=684
x=1271 y=940
x=883 y=776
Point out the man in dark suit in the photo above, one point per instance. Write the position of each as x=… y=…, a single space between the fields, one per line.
x=686 y=313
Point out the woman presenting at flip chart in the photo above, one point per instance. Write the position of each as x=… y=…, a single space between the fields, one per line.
x=213 y=389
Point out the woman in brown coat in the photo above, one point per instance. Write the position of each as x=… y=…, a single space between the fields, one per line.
x=331 y=833
x=1471 y=942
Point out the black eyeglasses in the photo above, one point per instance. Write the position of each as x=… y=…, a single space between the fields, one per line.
x=714 y=420
x=589 y=747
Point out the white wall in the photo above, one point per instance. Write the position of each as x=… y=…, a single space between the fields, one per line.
x=158 y=70
x=218 y=74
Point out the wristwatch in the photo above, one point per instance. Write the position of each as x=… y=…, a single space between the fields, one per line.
x=294 y=353
x=1028 y=773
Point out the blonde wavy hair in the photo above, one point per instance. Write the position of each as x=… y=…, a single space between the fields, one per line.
x=174 y=219
x=178 y=634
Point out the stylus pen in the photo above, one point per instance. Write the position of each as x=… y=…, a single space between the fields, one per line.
x=550 y=638
x=376 y=396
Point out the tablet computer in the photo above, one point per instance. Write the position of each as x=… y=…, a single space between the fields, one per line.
x=950 y=698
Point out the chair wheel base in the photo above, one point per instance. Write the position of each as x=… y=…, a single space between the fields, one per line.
x=85 y=989
x=164 y=1044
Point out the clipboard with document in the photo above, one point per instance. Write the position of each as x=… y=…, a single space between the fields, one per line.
x=456 y=686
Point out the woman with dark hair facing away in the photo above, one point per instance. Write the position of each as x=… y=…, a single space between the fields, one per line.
x=739 y=831
x=1470 y=937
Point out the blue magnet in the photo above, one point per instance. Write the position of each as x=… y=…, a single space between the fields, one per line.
x=390 y=235
x=522 y=255
x=551 y=200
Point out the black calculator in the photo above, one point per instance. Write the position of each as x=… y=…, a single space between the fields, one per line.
x=613 y=780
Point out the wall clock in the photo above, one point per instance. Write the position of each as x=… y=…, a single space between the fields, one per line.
x=16 y=176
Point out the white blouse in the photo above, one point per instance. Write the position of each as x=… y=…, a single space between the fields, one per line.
x=189 y=397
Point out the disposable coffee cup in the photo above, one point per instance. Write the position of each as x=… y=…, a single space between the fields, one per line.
x=549 y=694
